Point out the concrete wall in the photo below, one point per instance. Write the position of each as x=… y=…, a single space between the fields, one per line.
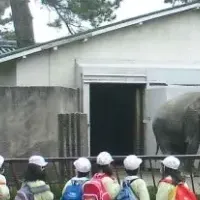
x=173 y=38
x=28 y=119
x=8 y=73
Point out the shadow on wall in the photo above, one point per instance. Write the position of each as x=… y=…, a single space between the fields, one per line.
x=28 y=119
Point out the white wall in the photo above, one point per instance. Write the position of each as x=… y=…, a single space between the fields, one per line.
x=154 y=98
x=34 y=70
x=171 y=39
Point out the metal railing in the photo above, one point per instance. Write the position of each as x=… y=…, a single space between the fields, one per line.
x=59 y=170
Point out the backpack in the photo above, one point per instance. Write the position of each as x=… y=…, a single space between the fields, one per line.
x=127 y=193
x=180 y=192
x=27 y=193
x=94 y=189
x=74 y=191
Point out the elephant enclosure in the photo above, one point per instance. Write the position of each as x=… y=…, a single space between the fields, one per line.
x=116 y=114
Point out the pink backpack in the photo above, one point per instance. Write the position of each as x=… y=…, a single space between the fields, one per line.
x=94 y=189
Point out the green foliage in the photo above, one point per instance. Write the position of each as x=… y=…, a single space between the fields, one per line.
x=56 y=23
x=8 y=35
x=13 y=192
x=71 y=13
x=152 y=192
x=57 y=190
x=182 y=1
x=4 y=33
x=74 y=12
x=3 y=5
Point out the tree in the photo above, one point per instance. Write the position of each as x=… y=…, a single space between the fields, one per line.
x=22 y=19
x=23 y=25
x=4 y=32
x=74 y=12
x=3 y=5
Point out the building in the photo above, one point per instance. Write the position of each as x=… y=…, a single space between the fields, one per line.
x=124 y=71
x=7 y=46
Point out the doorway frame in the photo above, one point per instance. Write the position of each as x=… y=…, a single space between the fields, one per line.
x=104 y=75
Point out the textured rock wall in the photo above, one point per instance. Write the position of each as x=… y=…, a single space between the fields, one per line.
x=28 y=119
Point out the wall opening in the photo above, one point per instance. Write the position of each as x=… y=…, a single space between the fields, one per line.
x=116 y=118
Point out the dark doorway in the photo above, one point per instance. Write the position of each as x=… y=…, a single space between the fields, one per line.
x=116 y=118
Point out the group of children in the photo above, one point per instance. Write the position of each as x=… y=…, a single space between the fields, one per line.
x=103 y=185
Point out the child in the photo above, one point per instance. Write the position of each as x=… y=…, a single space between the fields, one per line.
x=104 y=170
x=132 y=164
x=34 y=186
x=4 y=191
x=170 y=173
x=82 y=167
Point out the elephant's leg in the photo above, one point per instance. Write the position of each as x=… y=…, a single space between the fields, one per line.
x=191 y=134
x=165 y=145
x=192 y=148
x=163 y=136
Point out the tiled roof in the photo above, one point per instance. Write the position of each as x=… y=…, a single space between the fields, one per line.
x=7 y=46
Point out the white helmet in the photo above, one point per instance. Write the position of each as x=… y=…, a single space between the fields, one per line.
x=37 y=160
x=1 y=161
x=171 y=162
x=82 y=165
x=104 y=158
x=132 y=162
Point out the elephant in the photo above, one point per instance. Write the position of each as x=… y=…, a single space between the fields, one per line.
x=176 y=126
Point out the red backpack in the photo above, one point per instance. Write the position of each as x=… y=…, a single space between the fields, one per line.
x=180 y=192
x=94 y=189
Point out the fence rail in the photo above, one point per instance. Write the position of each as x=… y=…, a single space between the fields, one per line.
x=61 y=169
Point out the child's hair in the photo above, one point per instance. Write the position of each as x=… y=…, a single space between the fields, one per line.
x=34 y=173
x=102 y=168
x=81 y=174
x=175 y=174
x=132 y=172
